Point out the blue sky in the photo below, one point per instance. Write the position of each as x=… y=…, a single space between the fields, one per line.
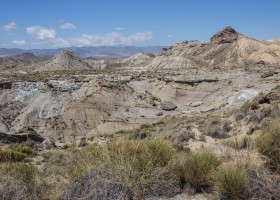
x=61 y=23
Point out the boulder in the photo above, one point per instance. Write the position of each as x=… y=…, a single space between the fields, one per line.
x=168 y=105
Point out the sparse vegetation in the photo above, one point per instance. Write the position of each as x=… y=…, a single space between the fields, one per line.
x=250 y=105
x=238 y=143
x=213 y=127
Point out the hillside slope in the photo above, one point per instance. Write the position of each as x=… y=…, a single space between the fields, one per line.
x=225 y=48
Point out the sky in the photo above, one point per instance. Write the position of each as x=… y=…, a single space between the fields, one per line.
x=32 y=24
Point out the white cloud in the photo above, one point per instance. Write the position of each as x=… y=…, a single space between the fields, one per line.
x=170 y=36
x=41 y=33
x=68 y=26
x=119 y=28
x=111 y=39
x=10 y=27
x=18 y=42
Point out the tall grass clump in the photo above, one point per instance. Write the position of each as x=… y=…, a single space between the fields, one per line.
x=198 y=168
x=8 y=155
x=231 y=182
x=132 y=163
x=21 y=148
x=268 y=144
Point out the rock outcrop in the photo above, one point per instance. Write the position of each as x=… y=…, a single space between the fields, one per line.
x=22 y=136
x=227 y=35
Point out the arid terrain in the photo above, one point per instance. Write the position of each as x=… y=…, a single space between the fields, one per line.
x=197 y=121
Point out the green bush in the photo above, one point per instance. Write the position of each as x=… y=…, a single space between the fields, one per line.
x=143 y=156
x=268 y=144
x=231 y=182
x=21 y=148
x=9 y=155
x=162 y=151
x=198 y=168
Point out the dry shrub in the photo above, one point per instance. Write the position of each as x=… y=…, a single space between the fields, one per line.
x=215 y=131
x=24 y=182
x=96 y=185
x=238 y=143
x=263 y=185
x=13 y=190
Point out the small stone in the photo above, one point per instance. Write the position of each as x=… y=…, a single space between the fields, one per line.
x=196 y=104
x=159 y=114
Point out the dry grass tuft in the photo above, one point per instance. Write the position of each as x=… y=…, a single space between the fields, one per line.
x=268 y=144
x=231 y=181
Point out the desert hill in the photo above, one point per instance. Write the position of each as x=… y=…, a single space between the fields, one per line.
x=139 y=59
x=65 y=60
x=225 y=48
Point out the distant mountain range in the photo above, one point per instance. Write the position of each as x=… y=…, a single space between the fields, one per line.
x=101 y=51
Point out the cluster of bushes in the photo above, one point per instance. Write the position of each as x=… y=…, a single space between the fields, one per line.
x=15 y=153
x=137 y=169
